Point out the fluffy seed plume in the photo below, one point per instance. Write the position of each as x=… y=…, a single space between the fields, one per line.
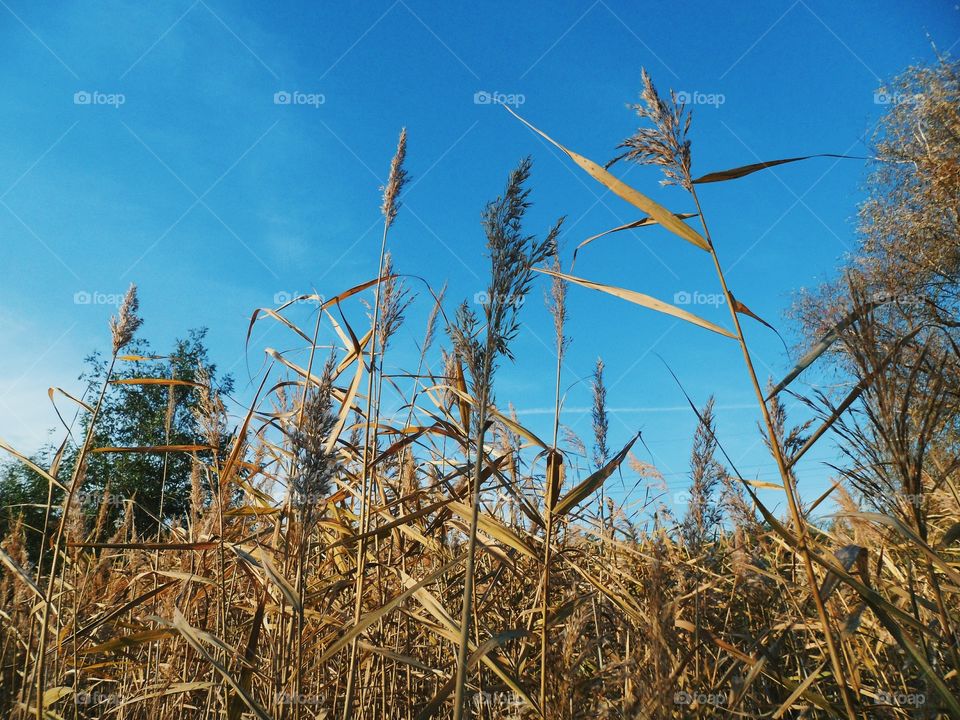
x=127 y=321
x=315 y=466
x=394 y=301
x=601 y=453
x=428 y=336
x=665 y=144
x=557 y=305
x=398 y=178
x=210 y=412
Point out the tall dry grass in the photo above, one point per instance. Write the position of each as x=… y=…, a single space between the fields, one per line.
x=445 y=561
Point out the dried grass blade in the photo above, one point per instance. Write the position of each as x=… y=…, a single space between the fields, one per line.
x=739 y=172
x=641 y=299
x=642 y=222
x=588 y=486
x=618 y=187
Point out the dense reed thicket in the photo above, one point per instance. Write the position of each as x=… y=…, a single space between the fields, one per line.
x=335 y=560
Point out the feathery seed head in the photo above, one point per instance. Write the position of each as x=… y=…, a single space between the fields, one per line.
x=398 y=177
x=665 y=144
x=315 y=467
x=127 y=321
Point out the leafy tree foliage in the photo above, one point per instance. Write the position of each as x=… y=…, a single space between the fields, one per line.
x=133 y=415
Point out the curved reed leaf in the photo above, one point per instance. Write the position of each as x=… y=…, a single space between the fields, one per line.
x=659 y=213
x=586 y=488
x=641 y=299
x=642 y=222
x=829 y=338
x=744 y=170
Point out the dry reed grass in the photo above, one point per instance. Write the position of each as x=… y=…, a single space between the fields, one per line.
x=449 y=562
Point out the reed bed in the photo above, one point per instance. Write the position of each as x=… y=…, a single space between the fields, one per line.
x=341 y=561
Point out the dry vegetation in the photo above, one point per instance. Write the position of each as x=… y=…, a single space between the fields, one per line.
x=340 y=561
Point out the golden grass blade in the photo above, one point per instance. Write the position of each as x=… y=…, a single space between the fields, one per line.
x=555 y=474
x=33 y=466
x=164 y=691
x=281 y=583
x=372 y=617
x=20 y=573
x=128 y=642
x=744 y=310
x=516 y=427
x=384 y=530
x=155 y=381
x=495 y=529
x=124 y=608
x=346 y=406
x=183 y=576
x=267 y=312
x=803 y=690
x=404 y=659
x=641 y=299
x=191 y=636
x=55 y=694
x=278 y=356
x=744 y=170
x=251 y=511
x=150 y=449
x=851 y=397
x=78 y=401
x=765 y=485
x=659 y=213
x=642 y=222
x=829 y=338
x=590 y=485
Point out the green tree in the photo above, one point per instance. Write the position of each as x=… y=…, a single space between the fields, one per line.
x=133 y=415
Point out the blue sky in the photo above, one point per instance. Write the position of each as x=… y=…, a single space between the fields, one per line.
x=145 y=143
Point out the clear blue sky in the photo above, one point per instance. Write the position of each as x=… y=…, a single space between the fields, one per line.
x=174 y=167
